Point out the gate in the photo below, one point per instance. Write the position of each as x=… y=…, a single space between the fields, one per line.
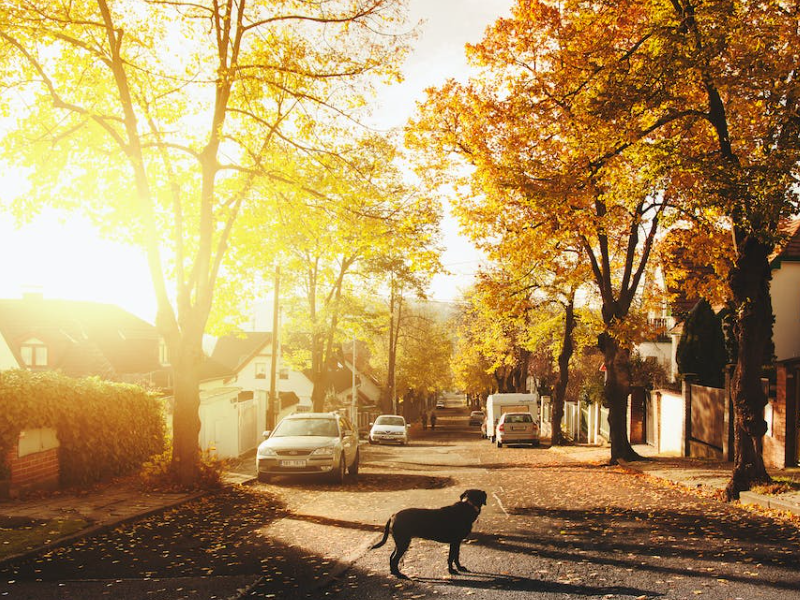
x=248 y=425
x=651 y=420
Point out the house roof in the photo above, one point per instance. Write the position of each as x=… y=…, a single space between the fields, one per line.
x=82 y=338
x=235 y=351
x=342 y=378
x=790 y=250
x=288 y=399
x=210 y=369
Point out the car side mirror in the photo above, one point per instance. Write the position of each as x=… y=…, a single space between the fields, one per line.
x=371 y=424
x=266 y=434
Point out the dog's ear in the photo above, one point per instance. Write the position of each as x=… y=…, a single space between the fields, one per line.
x=483 y=496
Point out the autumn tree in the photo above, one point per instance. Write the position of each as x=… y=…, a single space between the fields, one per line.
x=424 y=349
x=542 y=169
x=497 y=332
x=159 y=119
x=354 y=225
x=713 y=86
x=470 y=370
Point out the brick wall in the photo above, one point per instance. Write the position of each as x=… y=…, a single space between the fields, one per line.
x=33 y=471
x=774 y=449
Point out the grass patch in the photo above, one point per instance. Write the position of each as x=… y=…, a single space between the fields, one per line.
x=20 y=535
x=779 y=485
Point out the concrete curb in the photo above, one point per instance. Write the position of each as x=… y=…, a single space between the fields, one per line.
x=745 y=498
x=772 y=502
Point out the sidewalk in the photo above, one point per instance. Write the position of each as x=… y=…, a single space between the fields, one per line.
x=92 y=512
x=108 y=507
x=693 y=473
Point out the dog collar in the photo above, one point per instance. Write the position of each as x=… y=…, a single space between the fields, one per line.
x=477 y=509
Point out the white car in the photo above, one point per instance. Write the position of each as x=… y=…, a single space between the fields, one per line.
x=389 y=428
x=323 y=444
x=517 y=428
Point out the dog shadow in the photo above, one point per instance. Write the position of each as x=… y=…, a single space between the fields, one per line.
x=488 y=581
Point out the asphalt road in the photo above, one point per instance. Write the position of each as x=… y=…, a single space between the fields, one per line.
x=553 y=528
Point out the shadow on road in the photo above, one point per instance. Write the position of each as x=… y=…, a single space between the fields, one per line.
x=368 y=482
x=497 y=581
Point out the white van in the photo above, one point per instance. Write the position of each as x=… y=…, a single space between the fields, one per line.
x=497 y=404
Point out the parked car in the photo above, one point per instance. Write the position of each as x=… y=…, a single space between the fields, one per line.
x=516 y=428
x=440 y=404
x=324 y=444
x=476 y=417
x=389 y=428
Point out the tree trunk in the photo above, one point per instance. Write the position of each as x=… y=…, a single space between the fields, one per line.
x=567 y=347
x=616 y=389
x=749 y=283
x=318 y=392
x=186 y=416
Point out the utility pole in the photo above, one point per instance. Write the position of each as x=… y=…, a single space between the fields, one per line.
x=272 y=406
x=354 y=407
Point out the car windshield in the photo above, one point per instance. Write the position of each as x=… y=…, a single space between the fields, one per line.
x=317 y=427
x=396 y=421
x=525 y=418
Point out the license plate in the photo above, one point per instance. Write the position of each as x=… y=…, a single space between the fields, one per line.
x=293 y=463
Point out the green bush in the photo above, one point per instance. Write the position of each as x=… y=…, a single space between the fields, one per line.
x=701 y=349
x=105 y=429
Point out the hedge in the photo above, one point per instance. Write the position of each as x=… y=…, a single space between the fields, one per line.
x=105 y=429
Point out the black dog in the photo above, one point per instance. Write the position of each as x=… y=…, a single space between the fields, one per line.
x=449 y=524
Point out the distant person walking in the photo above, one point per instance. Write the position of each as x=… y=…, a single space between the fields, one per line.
x=433 y=420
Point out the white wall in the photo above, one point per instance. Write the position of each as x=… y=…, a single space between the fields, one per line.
x=366 y=386
x=7 y=360
x=785 y=291
x=219 y=422
x=295 y=382
x=672 y=424
x=664 y=354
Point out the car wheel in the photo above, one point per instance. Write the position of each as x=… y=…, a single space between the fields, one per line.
x=338 y=473
x=371 y=441
x=264 y=477
x=353 y=469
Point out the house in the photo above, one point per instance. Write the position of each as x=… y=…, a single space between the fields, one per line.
x=704 y=421
x=79 y=339
x=368 y=391
x=661 y=344
x=248 y=356
x=782 y=442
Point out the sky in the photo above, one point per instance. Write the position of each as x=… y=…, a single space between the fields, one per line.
x=65 y=258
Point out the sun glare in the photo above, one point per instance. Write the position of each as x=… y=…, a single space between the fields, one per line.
x=65 y=258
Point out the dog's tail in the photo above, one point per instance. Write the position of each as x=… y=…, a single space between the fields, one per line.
x=385 y=536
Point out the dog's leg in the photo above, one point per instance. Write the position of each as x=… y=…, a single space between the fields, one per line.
x=454 y=559
x=400 y=547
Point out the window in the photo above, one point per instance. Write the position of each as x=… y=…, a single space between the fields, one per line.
x=261 y=370
x=34 y=353
x=284 y=373
x=163 y=352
